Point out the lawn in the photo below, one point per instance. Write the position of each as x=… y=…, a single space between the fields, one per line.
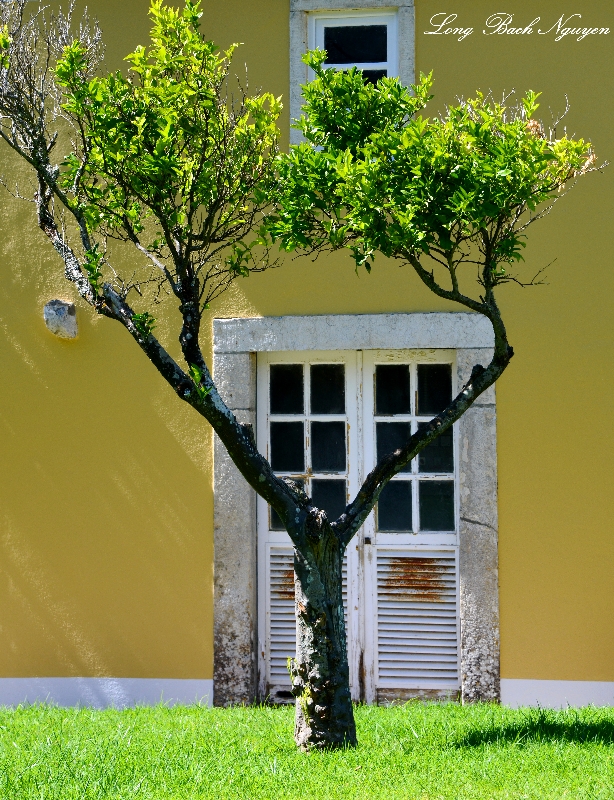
x=422 y=751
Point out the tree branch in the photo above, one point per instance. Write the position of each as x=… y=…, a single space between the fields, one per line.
x=358 y=510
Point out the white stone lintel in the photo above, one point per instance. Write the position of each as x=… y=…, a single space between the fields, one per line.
x=434 y=330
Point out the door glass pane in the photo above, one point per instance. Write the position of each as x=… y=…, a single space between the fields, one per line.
x=330 y=496
x=394 y=507
x=390 y=437
x=287 y=389
x=287 y=447
x=328 y=389
x=436 y=505
x=328 y=446
x=392 y=395
x=434 y=387
x=356 y=44
x=275 y=523
x=439 y=455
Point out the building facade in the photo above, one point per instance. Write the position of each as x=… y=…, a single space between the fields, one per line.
x=136 y=564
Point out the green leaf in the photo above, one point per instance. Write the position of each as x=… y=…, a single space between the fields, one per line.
x=144 y=323
x=197 y=377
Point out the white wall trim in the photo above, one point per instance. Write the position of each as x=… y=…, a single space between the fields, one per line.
x=106 y=692
x=441 y=330
x=516 y=692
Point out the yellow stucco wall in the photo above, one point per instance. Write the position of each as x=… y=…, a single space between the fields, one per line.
x=556 y=547
x=105 y=497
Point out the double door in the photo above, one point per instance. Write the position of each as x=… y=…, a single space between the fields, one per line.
x=324 y=419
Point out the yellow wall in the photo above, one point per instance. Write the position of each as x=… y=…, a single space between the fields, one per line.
x=105 y=498
x=556 y=505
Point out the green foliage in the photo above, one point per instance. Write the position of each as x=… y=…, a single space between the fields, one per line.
x=304 y=699
x=410 y=752
x=168 y=144
x=93 y=267
x=197 y=377
x=5 y=44
x=375 y=175
x=144 y=323
x=342 y=111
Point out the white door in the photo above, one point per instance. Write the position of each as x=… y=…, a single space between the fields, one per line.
x=323 y=419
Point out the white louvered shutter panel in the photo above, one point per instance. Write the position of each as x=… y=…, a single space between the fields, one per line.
x=417 y=619
x=281 y=620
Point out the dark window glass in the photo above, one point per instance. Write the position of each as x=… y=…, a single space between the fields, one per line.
x=394 y=507
x=287 y=389
x=434 y=387
x=439 y=455
x=328 y=446
x=356 y=44
x=373 y=75
x=275 y=523
x=390 y=437
x=436 y=505
x=328 y=389
x=329 y=496
x=392 y=389
x=287 y=447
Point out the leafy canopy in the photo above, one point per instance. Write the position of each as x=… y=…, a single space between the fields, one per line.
x=169 y=144
x=375 y=175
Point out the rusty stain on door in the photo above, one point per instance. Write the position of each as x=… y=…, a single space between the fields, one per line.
x=283 y=589
x=417 y=579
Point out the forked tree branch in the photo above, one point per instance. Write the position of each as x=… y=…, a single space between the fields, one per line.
x=481 y=379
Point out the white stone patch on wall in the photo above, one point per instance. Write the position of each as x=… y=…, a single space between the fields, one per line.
x=61 y=318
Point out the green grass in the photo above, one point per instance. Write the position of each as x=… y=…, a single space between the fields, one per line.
x=422 y=751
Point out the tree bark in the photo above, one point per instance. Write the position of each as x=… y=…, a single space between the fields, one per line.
x=320 y=672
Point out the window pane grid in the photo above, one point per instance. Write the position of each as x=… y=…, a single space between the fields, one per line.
x=438 y=499
x=325 y=468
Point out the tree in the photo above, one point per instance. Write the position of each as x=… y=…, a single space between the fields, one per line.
x=168 y=162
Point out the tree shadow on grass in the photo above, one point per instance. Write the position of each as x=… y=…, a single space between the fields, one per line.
x=541 y=725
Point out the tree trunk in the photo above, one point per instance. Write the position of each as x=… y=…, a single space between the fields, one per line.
x=320 y=673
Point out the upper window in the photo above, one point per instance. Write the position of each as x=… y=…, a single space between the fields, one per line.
x=367 y=40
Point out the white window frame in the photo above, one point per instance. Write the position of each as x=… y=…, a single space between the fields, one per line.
x=304 y=15
x=236 y=343
x=348 y=358
x=325 y=19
